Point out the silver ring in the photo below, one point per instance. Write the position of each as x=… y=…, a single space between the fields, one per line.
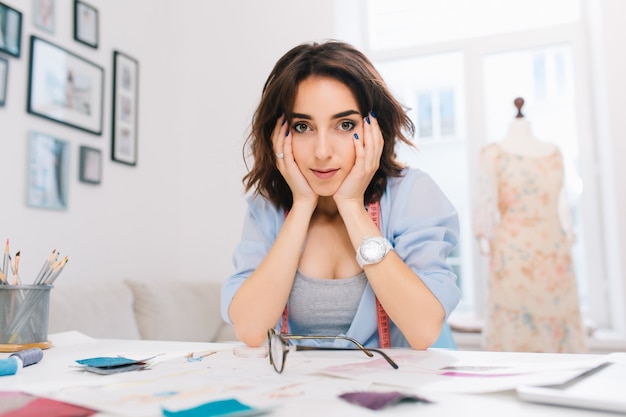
x=280 y=155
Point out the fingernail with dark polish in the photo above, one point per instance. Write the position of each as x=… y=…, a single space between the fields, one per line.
x=356 y=136
x=287 y=134
x=373 y=114
x=367 y=119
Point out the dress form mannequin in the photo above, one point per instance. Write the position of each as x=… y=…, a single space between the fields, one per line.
x=520 y=140
x=521 y=223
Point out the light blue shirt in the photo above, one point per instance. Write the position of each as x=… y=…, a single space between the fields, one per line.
x=418 y=220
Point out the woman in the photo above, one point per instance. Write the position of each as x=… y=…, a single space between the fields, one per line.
x=312 y=259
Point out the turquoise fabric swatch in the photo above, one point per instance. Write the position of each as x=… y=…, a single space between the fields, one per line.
x=107 y=362
x=226 y=408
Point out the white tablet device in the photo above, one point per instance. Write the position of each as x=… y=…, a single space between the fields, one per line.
x=600 y=388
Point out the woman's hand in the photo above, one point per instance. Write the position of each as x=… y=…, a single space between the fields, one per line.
x=281 y=140
x=368 y=150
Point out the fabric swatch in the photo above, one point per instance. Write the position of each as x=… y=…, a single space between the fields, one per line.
x=107 y=362
x=377 y=400
x=225 y=408
x=17 y=404
x=112 y=365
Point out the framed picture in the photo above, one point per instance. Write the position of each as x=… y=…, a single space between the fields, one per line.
x=90 y=166
x=44 y=15
x=4 y=71
x=47 y=182
x=10 y=30
x=125 y=107
x=64 y=87
x=85 y=23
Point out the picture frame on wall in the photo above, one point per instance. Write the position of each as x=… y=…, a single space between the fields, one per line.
x=44 y=15
x=10 y=30
x=125 y=108
x=48 y=180
x=90 y=165
x=86 y=23
x=4 y=76
x=65 y=88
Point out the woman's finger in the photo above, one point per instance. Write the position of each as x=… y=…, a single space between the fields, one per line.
x=373 y=141
x=287 y=149
x=278 y=138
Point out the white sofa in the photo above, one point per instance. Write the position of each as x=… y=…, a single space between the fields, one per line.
x=140 y=309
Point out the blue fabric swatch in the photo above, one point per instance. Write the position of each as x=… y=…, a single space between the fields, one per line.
x=229 y=408
x=107 y=362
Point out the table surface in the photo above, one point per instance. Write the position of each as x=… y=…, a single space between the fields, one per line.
x=309 y=386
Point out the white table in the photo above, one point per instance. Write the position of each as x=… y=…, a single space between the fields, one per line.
x=301 y=390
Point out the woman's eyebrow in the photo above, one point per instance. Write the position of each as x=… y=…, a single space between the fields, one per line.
x=345 y=113
x=336 y=116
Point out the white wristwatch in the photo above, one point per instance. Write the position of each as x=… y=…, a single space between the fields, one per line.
x=372 y=250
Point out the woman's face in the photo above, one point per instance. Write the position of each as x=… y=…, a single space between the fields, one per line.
x=325 y=118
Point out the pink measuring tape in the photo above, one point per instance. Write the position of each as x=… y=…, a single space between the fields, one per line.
x=373 y=209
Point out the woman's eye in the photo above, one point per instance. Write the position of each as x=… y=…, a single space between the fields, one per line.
x=300 y=127
x=346 y=126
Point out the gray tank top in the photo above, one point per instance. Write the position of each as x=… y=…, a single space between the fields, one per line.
x=324 y=306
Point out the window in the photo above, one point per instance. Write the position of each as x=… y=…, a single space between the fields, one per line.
x=402 y=23
x=458 y=69
x=433 y=89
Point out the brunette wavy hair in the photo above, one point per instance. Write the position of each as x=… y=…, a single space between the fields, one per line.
x=351 y=67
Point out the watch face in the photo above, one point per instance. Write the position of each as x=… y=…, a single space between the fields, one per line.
x=372 y=251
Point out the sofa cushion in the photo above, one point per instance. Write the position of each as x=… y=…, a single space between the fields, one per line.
x=177 y=310
x=97 y=309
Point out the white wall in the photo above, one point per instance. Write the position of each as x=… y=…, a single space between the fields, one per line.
x=178 y=213
x=228 y=54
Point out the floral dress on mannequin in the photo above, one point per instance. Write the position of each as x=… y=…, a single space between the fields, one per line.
x=532 y=299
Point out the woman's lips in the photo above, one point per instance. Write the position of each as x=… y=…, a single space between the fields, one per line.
x=324 y=173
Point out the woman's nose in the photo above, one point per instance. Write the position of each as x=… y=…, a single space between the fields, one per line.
x=322 y=146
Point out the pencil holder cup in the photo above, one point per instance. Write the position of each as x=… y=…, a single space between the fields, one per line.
x=24 y=313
